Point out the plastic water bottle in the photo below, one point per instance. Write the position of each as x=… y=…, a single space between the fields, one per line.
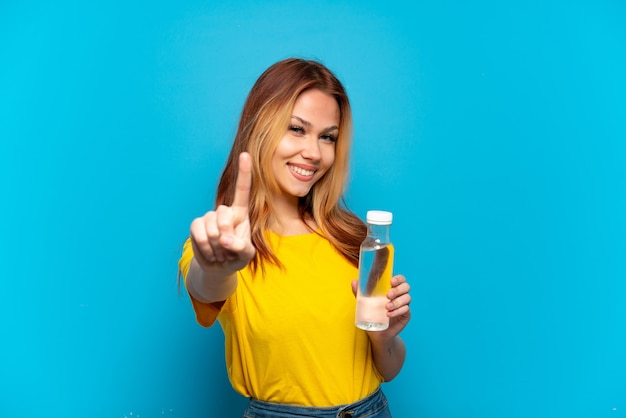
x=375 y=272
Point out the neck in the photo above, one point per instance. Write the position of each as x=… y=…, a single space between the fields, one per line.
x=287 y=219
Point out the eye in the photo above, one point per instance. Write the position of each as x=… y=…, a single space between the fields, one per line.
x=329 y=138
x=299 y=130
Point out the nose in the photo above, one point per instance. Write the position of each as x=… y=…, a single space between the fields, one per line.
x=311 y=149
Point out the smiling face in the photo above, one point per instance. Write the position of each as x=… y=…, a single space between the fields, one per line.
x=307 y=150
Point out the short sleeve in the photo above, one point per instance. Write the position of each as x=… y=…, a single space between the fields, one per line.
x=206 y=313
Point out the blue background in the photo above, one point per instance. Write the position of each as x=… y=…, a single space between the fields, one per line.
x=495 y=132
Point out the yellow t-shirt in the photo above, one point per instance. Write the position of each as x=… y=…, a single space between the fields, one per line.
x=290 y=335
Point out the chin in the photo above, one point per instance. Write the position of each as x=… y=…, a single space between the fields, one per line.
x=302 y=194
x=297 y=190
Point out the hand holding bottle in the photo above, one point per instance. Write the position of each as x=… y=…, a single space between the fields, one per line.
x=398 y=309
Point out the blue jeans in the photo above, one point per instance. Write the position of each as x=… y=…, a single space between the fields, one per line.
x=373 y=406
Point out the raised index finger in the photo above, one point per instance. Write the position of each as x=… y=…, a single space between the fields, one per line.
x=244 y=181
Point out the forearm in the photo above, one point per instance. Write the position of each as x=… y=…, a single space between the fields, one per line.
x=209 y=288
x=388 y=356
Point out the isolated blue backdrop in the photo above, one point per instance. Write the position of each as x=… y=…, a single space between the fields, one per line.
x=495 y=132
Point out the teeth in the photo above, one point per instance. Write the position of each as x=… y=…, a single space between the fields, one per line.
x=301 y=171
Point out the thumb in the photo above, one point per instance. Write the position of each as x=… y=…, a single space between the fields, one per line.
x=238 y=245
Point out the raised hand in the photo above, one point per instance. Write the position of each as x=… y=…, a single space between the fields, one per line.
x=221 y=238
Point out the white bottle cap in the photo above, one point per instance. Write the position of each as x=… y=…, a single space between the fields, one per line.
x=379 y=217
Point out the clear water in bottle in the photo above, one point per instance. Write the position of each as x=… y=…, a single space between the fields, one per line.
x=375 y=271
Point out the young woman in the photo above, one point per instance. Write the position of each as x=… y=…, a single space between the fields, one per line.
x=276 y=261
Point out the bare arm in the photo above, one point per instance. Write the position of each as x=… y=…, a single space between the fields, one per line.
x=389 y=357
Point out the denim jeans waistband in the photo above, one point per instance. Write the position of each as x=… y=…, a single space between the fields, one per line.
x=372 y=406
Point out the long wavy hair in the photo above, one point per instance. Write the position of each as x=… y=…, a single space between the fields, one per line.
x=264 y=120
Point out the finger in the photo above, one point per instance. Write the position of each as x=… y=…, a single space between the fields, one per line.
x=399 y=290
x=224 y=220
x=399 y=302
x=237 y=247
x=213 y=235
x=199 y=240
x=403 y=313
x=234 y=244
x=397 y=280
x=244 y=181
x=201 y=243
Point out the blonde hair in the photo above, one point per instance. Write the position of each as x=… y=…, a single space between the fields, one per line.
x=264 y=120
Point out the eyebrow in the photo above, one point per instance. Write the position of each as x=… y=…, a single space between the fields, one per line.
x=308 y=124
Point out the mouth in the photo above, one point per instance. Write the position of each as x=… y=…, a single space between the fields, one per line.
x=301 y=172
